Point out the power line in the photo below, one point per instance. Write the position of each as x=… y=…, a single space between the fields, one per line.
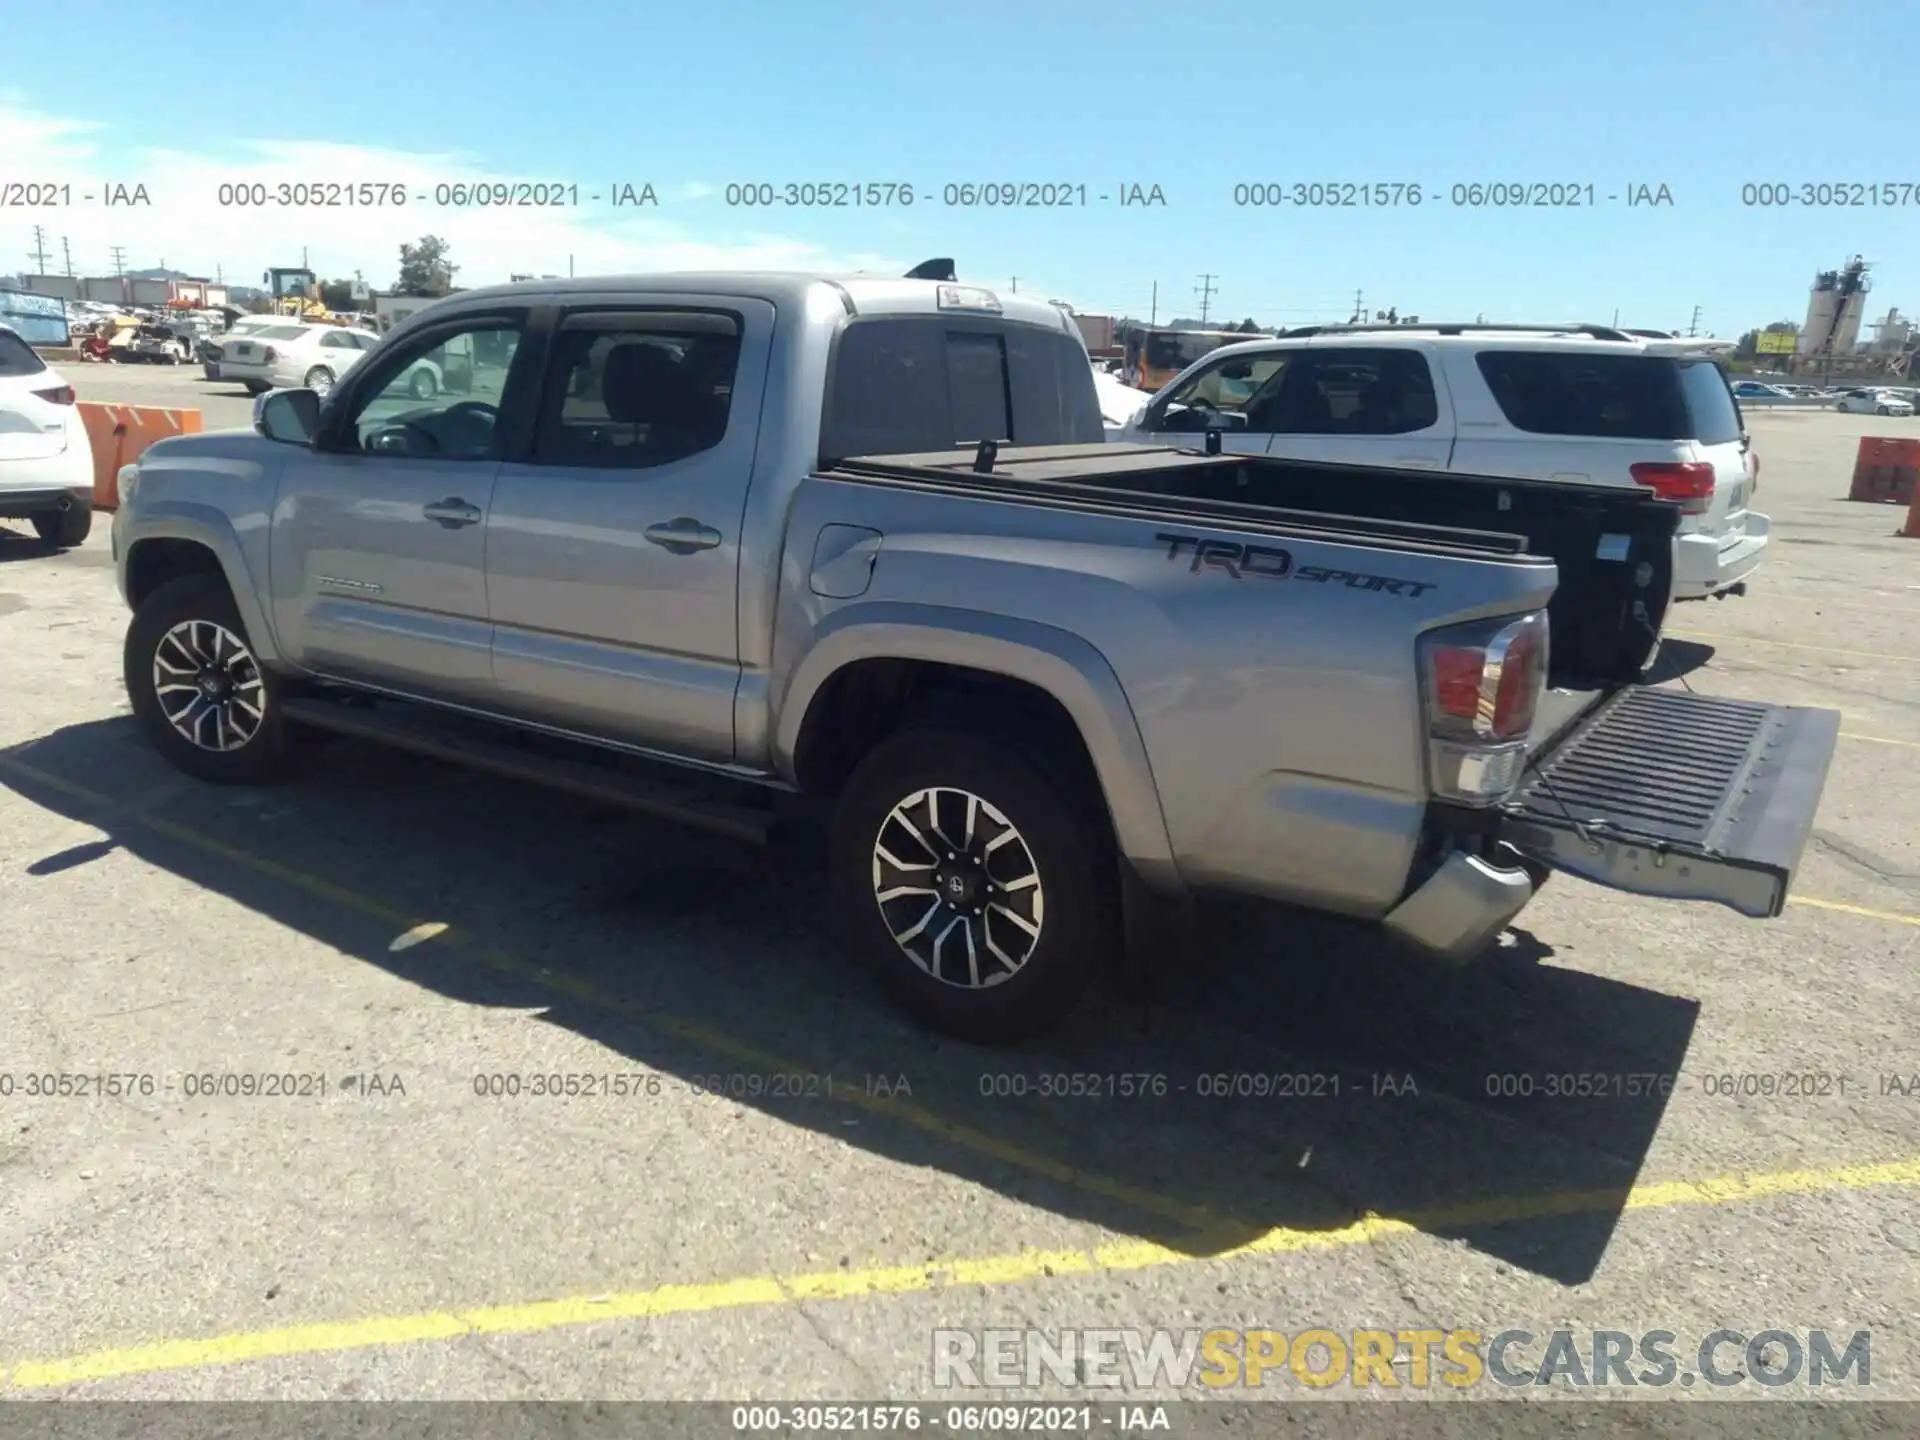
x=39 y=251
x=119 y=259
x=1205 y=291
x=66 y=248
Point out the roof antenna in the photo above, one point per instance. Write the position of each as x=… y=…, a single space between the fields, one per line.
x=940 y=269
x=984 y=457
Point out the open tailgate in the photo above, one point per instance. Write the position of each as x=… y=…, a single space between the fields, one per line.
x=1690 y=797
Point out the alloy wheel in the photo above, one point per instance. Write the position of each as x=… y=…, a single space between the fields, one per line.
x=209 y=685
x=958 y=888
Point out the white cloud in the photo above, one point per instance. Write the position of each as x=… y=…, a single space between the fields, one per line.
x=187 y=227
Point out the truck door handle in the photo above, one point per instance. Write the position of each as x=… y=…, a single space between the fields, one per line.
x=452 y=512
x=683 y=536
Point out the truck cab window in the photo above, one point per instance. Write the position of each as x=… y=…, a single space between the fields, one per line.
x=635 y=397
x=440 y=398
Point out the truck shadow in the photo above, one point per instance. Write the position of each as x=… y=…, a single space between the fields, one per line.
x=1294 y=1077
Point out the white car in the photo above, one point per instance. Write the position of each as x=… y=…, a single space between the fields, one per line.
x=210 y=350
x=1873 y=402
x=1588 y=404
x=1119 y=402
x=292 y=354
x=46 y=459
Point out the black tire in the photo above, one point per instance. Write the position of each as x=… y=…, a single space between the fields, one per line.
x=422 y=385
x=1881 y=410
x=268 y=754
x=65 y=529
x=320 y=370
x=1069 y=852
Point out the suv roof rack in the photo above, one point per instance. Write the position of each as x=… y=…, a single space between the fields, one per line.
x=1594 y=332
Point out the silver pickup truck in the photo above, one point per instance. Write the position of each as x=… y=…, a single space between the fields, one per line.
x=735 y=548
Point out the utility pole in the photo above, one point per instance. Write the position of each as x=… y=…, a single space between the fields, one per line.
x=1016 y=284
x=119 y=259
x=1359 y=308
x=1616 y=317
x=1693 y=325
x=39 y=251
x=1153 y=315
x=1205 y=291
x=66 y=249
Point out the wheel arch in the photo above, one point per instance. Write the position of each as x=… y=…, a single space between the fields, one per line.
x=858 y=679
x=194 y=540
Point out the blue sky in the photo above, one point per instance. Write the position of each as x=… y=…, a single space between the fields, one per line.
x=692 y=98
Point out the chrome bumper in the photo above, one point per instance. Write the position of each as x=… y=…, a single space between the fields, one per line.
x=1465 y=904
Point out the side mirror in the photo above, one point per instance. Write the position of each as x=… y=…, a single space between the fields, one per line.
x=290 y=416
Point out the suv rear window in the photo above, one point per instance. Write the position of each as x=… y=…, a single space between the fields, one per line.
x=898 y=387
x=1621 y=397
x=17 y=357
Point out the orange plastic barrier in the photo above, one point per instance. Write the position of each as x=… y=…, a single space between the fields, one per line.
x=118 y=433
x=1885 y=470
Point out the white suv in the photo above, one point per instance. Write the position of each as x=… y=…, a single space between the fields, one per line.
x=1583 y=403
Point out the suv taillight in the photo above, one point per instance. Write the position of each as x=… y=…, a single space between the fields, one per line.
x=1480 y=684
x=1753 y=472
x=269 y=356
x=1688 y=481
x=58 y=395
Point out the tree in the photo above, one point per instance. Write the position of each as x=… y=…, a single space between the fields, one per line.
x=1247 y=327
x=337 y=295
x=424 y=268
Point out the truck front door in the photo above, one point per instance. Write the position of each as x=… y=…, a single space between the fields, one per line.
x=613 y=550
x=379 y=541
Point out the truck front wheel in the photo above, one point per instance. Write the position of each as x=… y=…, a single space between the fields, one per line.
x=197 y=689
x=971 y=883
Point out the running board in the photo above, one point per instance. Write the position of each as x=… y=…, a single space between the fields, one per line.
x=1678 y=795
x=693 y=800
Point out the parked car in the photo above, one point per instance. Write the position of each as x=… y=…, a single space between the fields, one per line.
x=1119 y=401
x=210 y=350
x=719 y=546
x=315 y=357
x=1582 y=404
x=1759 y=390
x=1872 y=402
x=46 y=459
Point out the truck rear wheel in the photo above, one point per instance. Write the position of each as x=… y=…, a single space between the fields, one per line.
x=971 y=883
x=198 y=691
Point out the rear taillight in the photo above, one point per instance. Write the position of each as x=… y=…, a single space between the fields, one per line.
x=1690 y=482
x=1753 y=472
x=58 y=395
x=269 y=356
x=1481 y=683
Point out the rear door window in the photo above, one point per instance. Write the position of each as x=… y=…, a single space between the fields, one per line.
x=1342 y=391
x=1621 y=397
x=17 y=358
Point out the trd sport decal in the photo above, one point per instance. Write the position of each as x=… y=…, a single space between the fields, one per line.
x=1270 y=562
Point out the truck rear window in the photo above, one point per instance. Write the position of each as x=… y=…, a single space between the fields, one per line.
x=1622 y=397
x=907 y=386
x=17 y=357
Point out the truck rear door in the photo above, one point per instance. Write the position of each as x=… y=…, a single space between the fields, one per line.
x=1678 y=795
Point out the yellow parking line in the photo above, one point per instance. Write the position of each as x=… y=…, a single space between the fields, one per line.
x=851 y=1094
x=1853 y=910
x=1023 y=1267
x=1791 y=645
x=1878 y=739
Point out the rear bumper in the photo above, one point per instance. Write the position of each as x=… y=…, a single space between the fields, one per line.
x=1706 y=564
x=1461 y=908
x=21 y=504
